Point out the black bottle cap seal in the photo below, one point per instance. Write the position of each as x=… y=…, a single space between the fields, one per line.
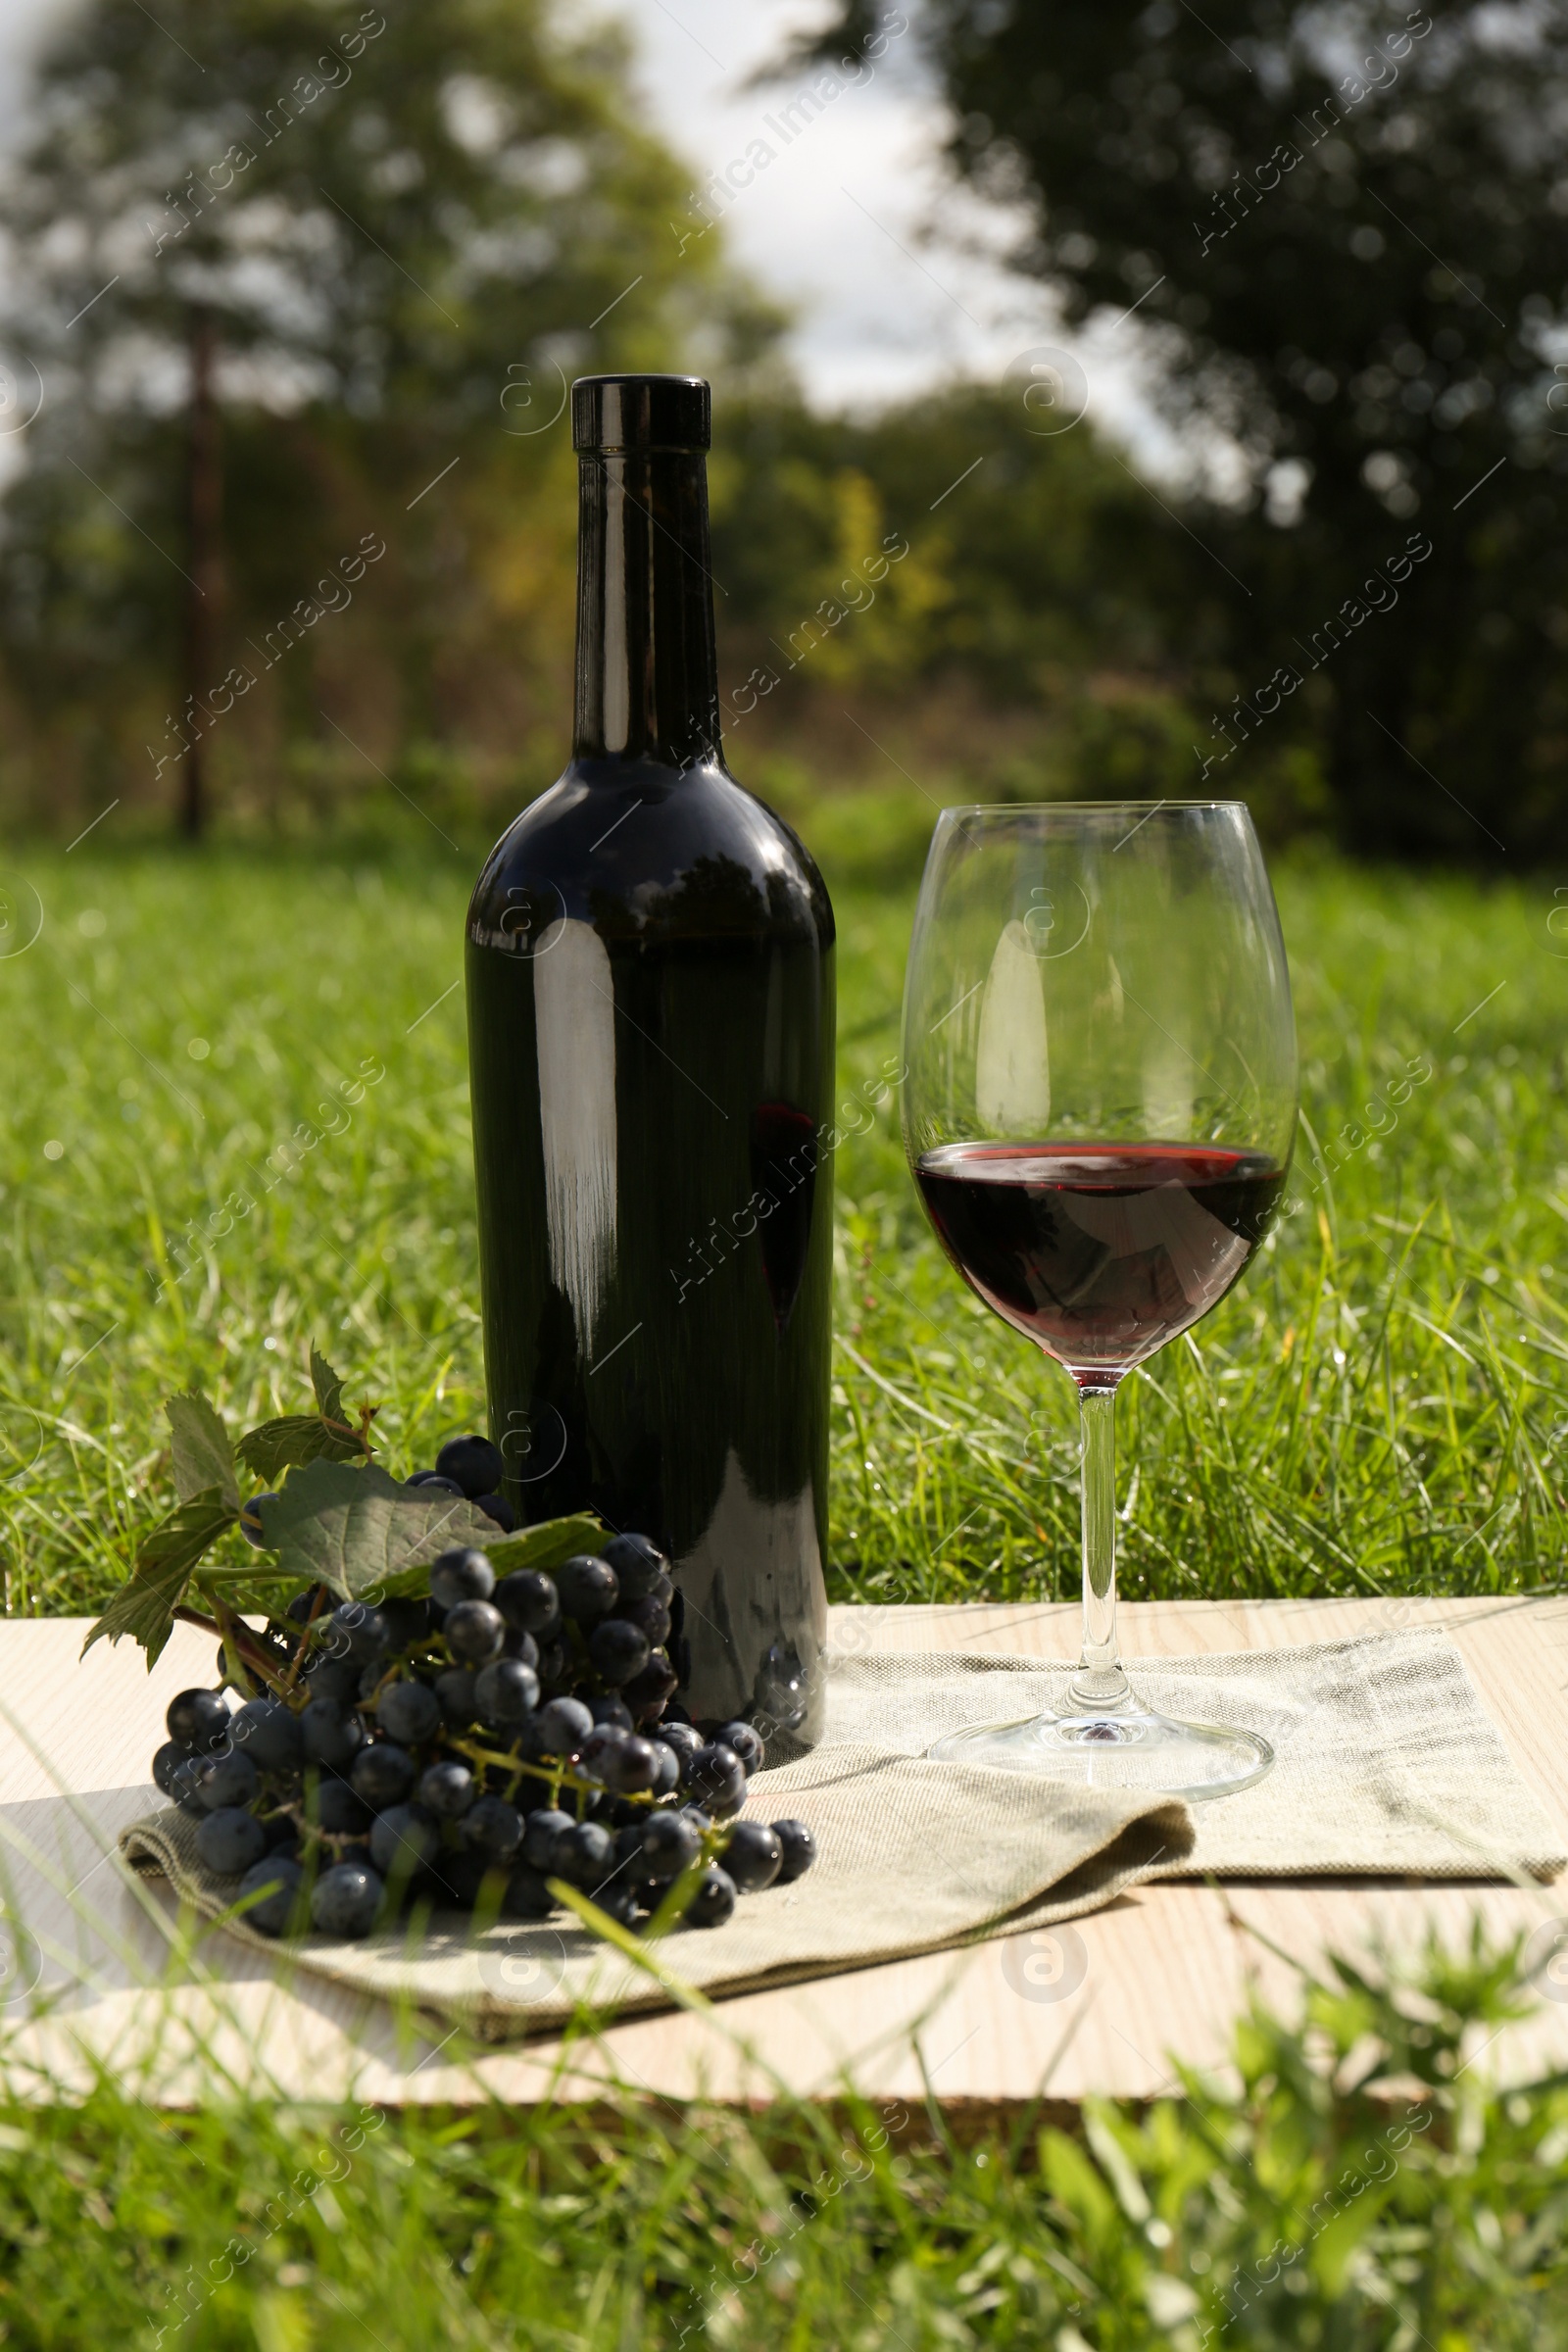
x=612 y=412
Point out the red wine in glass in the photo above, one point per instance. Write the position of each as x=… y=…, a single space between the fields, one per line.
x=1098 y=1105
x=1101 y=1251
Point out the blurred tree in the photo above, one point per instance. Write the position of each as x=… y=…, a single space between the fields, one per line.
x=1030 y=558
x=280 y=269
x=1346 y=229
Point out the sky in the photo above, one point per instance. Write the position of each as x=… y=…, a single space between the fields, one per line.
x=895 y=276
x=892 y=273
x=837 y=221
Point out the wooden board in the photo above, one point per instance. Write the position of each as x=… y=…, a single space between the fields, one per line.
x=1096 y=2007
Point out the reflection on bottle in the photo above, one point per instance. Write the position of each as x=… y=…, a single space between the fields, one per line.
x=757 y=1640
x=784 y=1168
x=782 y=1692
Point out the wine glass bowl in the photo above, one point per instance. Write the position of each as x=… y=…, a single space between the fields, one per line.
x=1099 y=1112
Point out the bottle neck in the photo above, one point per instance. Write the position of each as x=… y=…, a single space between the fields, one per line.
x=647 y=672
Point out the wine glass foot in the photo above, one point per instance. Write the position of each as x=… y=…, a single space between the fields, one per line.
x=1132 y=1747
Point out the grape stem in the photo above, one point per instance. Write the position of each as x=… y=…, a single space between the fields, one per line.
x=559 y=1775
x=293 y=1674
x=236 y=1638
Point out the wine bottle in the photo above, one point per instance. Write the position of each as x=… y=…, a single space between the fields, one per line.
x=650 y=1024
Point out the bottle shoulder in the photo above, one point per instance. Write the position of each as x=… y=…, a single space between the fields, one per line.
x=645 y=851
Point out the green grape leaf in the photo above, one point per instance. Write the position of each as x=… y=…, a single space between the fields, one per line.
x=145 y=1604
x=543 y=1547
x=360 y=1530
x=300 y=1438
x=297 y=1439
x=199 y=1445
x=328 y=1388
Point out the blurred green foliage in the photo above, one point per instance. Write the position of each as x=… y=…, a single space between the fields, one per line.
x=1355 y=2182
x=1344 y=230
x=395 y=234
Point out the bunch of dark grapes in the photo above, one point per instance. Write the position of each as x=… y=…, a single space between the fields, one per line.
x=468 y=1747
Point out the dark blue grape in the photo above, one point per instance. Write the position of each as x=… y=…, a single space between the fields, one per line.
x=746 y=1741
x=671 y=1843
x=331 y=1736
x=447 y=1789
x=461 y=1575
x=666 y=1769
x=185 y=1786
x=647 y=1692
x=308 y=1605
x=529 y=1600
x=432 y=1480
x=277 y=1882
x=522 y=1646
x=638 y=1564
x=587 y=1587
x=269 y=1732
x=409 y=1713
x=403 y=1839
x=630 y=1766
x=526 y=1895
x=407 y=1622
x=498 y=1508
x=542 y=1832
x=334 y=1679
x=454 y=1689
x=231 y=1779
x=250 y=1519
x=474 y=1631
x=799 y=1848
x=563 y=1724
x=383 y=1774
x=717 y=1778
x=599 y=1742
x=169 y=1756
x=713 y=1900
x=346 y=1900
x=474 y=1462
x=199 y=1720
x=684 y=1738
x=505 y=1691
x=555 y=1661
x=584 y=1853
x=229 y=1841
x=649 y=1615
x=460 y=1876
x=610 y=1708
x=338 y=1808
x=617 y=1900
x=618 y=1649
x=494 y=1828
x=359 y=1632
x=752 y=1855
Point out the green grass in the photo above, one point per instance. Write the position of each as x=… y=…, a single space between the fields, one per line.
x=1378 y=1408
x=1381 y=1407
x=1363 y=2190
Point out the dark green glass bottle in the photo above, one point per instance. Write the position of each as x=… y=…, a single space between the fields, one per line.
x=651 y=1017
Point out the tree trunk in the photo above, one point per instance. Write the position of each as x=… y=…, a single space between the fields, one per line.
x=204 y=491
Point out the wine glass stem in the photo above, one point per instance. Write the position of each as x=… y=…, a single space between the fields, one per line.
x=1100 y=1684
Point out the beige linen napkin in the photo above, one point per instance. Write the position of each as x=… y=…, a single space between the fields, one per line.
x=1386 y=1761
x=914 y=1857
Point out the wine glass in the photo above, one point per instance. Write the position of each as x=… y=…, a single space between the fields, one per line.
x=1099 y=1111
